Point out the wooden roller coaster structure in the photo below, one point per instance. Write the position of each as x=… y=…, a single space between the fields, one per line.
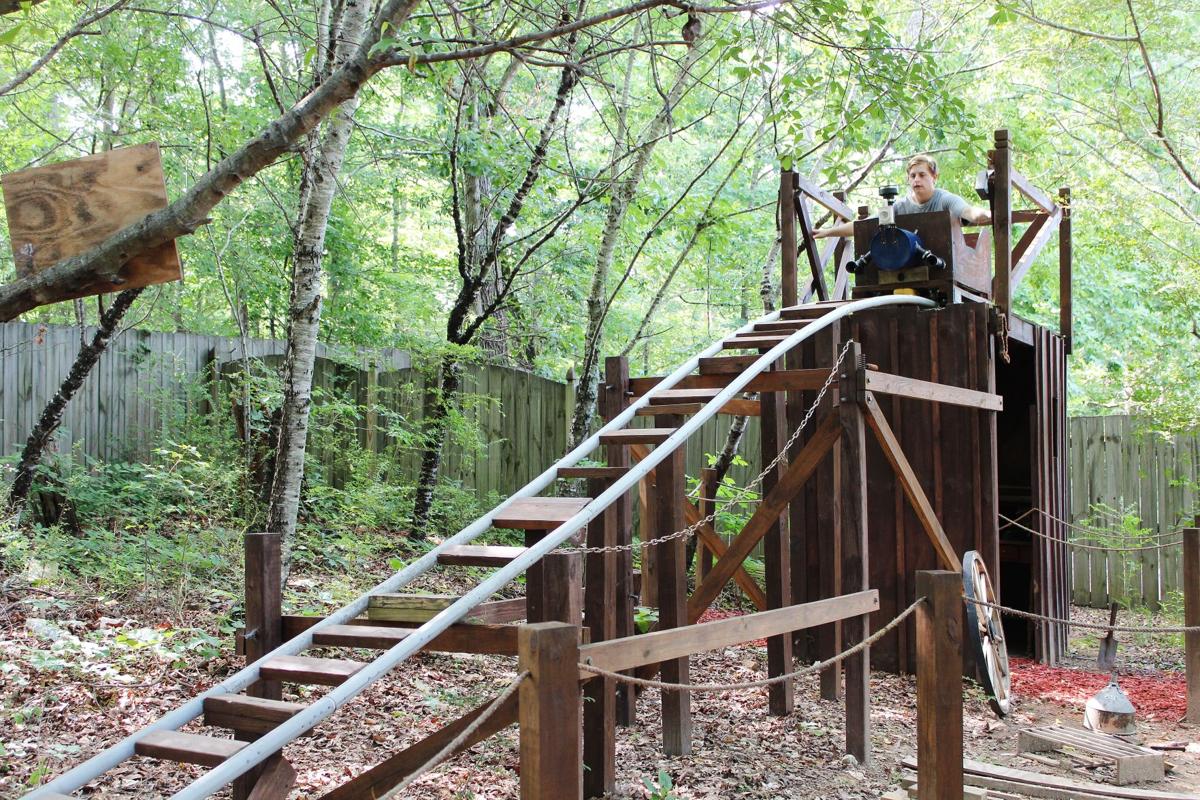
x=569 y=590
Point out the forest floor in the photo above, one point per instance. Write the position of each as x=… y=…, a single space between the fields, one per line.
x=78 y=673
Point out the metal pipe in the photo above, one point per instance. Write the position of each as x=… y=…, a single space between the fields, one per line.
x=257 y=751
x=173 y=720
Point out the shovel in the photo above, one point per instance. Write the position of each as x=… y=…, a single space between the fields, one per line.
x=1106 y=659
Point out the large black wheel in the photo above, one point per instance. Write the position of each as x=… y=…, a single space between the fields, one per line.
x=986 y=632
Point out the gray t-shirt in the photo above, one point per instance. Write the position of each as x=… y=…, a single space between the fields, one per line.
x=941 y=201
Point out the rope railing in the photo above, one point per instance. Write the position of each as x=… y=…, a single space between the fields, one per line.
x=1016 y=612
x=1102 y=533
x=714 y=688
x=1084 y=546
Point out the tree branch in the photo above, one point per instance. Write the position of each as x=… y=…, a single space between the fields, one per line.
x=78 y=29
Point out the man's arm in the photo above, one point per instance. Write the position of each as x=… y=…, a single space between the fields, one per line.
x=845 y=229
x=977 y=215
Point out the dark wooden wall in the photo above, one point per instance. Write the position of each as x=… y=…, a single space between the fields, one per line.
x=952 y=450
x=1052 y=590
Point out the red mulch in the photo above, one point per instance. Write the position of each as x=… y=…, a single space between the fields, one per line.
x=1161 y=697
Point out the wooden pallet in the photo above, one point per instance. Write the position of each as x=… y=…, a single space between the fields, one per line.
x=1133 y=764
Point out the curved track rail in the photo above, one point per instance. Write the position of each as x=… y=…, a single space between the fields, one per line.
x=259 y=750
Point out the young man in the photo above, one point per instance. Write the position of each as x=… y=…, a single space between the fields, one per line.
x=923 y=195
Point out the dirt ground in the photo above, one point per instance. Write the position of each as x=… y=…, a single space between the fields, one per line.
x=68 y=691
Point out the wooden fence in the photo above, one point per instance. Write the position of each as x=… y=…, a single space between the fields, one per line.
x=1114 y=464
x=150 y=385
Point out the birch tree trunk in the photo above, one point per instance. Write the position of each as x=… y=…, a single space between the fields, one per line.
x=319 y=185
x=622 y=195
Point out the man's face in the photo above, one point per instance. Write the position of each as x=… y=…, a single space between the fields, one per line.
x=921 y=182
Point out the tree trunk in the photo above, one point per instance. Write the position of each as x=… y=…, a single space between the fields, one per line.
x=304 y=315
x=622 y=195
x=437 y=407
x=39 y=437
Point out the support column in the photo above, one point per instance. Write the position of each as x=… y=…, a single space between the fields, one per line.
x=600 y=694
x=613 y=400
x=855 y=573
x=939 y=685
x=549 y=712
x=776 y=554
x=264 y=627
x=1191 y=617
x=1002 y=222
x=829 y=528
x=669 y=495
x=789 y=283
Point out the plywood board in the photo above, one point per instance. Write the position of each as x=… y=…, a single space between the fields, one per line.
x=61 y=210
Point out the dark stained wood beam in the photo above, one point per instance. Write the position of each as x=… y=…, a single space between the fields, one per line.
x=828 y=199
x=788 y=380
x=395 y=768
x=918 y=389
x=908 y=481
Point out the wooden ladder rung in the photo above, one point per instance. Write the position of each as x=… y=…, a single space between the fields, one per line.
x=671 y=396
x=637 y=436
x=248 y=714
x=764 y=342
x=737 y=407
x=724 y=365
x=539 y=513
x=478 y=555
x=810 y=310
x=186 y=748
x=592 y=472
x=788 y=325
x=308 y=670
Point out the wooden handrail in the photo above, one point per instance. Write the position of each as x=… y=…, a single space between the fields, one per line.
x=650 y=648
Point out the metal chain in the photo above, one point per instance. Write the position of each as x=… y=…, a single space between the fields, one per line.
x=698 y=524
x=1082 y=546
x=734 y=687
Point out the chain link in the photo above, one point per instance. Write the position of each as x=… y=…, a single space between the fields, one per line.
x=698 y=524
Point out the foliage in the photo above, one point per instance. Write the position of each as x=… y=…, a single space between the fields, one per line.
x=661 y=788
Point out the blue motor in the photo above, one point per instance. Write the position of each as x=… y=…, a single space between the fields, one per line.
x=893 y=248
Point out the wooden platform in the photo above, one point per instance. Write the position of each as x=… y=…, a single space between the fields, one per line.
x=1133 y=764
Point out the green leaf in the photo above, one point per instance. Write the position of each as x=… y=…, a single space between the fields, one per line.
x=10 y=36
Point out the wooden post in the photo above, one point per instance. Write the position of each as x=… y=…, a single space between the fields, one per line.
x=708 y=502
x=1191 y=617
x=669 y=491
x=264 y=625
x=787 y=237
x=1002 y=222
x=829 y=638
x=614 y=400
x=776 y=554
x=372 y=403
x=549 y=712
x=1065 y=314
x=855 y=572
x=600 y=694
x=939 y=685
x=562 y=582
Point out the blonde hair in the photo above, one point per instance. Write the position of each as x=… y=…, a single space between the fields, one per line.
x=928 y=161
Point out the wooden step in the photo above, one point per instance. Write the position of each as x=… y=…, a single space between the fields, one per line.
x=459 y=638
x=751 y=342
x=723 y=365
x=539 y=513
x=308 y=670
x=187 y=748
x=740 y=408
x=592 y=472
x=248 y=714
x=810 y=310
x=670 y=396
x=783 y=325
x=637 y=436
x=478 y=555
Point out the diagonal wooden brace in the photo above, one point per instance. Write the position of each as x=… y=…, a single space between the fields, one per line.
x=712 y=541
x=908 y=481
x=798 y=472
